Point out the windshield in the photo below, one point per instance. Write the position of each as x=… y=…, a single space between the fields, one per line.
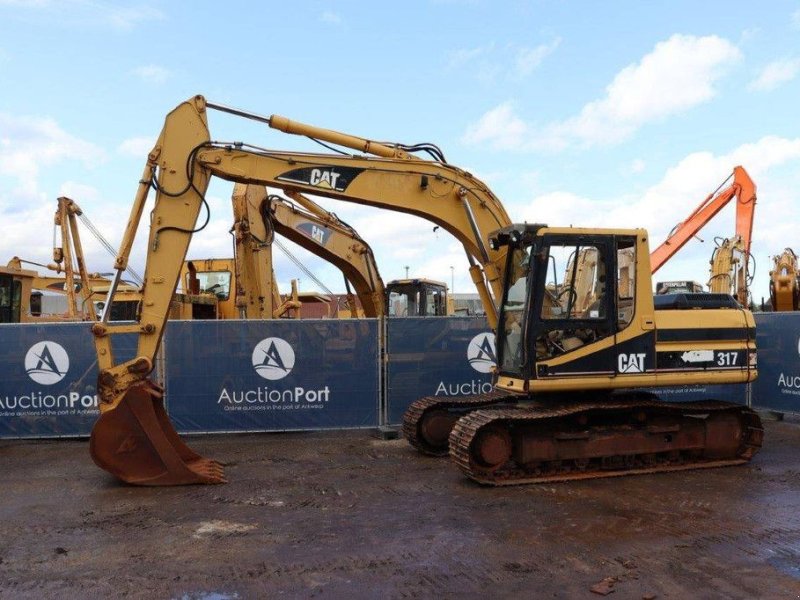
x=513 y=310
x=404 y=301
x=215 y=282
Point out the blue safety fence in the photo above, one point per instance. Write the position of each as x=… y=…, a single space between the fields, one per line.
x=48 y=378
x=430 y=356
x=778 y=384
x=276 y=375
x=301 y=375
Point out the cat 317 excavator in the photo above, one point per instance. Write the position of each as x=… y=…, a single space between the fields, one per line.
x=560 y=406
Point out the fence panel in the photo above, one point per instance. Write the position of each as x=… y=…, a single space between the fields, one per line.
x=274 y=375
x=778 y=384
x=430 y=356
x=48 y=378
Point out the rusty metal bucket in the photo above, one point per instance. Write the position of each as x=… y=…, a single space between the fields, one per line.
x=136 y=442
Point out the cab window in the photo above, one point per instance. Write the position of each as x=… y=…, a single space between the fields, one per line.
x=575 y=287
x=215 y=282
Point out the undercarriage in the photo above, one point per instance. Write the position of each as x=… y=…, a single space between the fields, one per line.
x=497 y=441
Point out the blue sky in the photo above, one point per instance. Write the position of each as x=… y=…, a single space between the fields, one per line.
x=615 y=114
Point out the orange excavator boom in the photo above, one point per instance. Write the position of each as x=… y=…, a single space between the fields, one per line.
x=742 y=188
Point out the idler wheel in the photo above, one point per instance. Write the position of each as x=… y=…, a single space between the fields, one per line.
x=492 y=448
x=435 y=428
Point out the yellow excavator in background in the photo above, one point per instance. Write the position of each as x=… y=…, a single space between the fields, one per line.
x=784 y=282
x=21 y=289
x=560 y=406
x=731 y=272
x=247 y=282
x=245 y=285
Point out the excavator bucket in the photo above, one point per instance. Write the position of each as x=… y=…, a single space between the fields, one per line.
x=136 y=442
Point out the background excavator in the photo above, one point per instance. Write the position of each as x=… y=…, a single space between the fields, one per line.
x=784 y=282
x=246 y=286
x=731 y=269
x=21 y=289
x=567 y=374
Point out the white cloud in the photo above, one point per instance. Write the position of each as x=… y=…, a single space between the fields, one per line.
x=529 y=59
x=330 y=17
x=27 y=144
x=636 y=166
x=499 y=127
x=152 y=73
x=463 y=56
x=680 y=73
x=138 y=147
x=488 y=62
x=774 y=74
x=28 y=147
x=90 y=12
x=81 y=193
x=669 y=201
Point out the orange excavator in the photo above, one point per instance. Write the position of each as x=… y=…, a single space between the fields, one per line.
x=730 y=263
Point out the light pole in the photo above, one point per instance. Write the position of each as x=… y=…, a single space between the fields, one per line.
x=452 y=280
x=406 y=268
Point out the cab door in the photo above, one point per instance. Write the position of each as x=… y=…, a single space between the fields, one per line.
x=574 y=313
x=10 y=291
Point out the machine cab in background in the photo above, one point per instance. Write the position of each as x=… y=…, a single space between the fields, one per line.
x=416 y=298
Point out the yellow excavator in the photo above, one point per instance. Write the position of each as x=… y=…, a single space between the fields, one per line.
x=245 y=285
x=21 y=289
x=730 y=271
x=560 y=404
x=784 y=282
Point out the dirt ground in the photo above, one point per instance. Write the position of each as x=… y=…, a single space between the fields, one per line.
x=344 y=515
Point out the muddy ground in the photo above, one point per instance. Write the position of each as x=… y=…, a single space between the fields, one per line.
x=344 y=515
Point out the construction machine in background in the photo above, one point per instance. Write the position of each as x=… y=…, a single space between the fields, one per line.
x=245 y=285
x=784 y=282
x=21 y=289
x=418 y=297
x=684 y=286
x=731 y=271
x=561 y=378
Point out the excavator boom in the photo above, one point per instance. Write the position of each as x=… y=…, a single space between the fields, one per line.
x=133 y=438
x=742 y=188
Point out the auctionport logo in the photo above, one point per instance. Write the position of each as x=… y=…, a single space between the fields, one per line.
x=46 y=362
x=273 y=358
x=481 y=353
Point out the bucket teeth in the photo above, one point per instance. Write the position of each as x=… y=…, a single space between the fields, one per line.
x=136 y=442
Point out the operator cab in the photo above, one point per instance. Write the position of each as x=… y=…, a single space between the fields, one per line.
x=416 y=298
x=564 y=290
x=10 y=298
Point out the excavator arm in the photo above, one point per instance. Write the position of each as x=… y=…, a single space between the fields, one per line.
x=133 y=438
x=65 y=258
x=742 y=188
x=320 y=232
x=729 y=269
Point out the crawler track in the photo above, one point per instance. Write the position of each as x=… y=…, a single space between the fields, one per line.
x=431 y=437
x=501 y=432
